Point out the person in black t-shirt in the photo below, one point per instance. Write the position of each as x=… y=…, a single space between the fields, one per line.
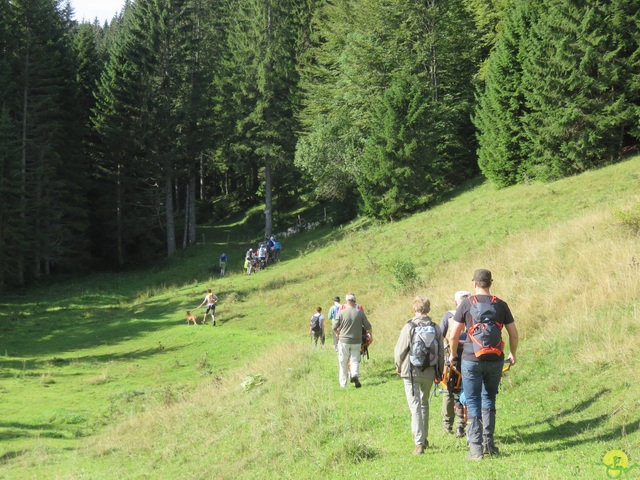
x=482 y=367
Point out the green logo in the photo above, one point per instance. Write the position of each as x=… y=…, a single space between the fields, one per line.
x=617 y=463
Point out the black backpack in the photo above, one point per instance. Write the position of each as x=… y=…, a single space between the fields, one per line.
x=315 y=323
x=485 y=333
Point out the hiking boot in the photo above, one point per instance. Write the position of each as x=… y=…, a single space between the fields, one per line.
x=460 y=432
x=474 y=437
x=488 y=449
x=474 y=456
x=356 y=381
x=214 y=323
x=419 y=450
x=488 y=427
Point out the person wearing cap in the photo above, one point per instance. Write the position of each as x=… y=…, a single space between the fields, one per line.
x=348 y=326
x=417 y=381
x=449 y=398
x=333 y=312
x=248 y=261
x=481 y=376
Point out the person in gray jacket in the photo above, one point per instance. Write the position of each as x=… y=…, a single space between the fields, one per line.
x=418 y=382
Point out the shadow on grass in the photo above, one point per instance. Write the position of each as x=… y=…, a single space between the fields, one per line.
x=63 y=328
x=110 y=309
x=567 y=429
x=16 y=430
x=62 y=362
x=11 y=456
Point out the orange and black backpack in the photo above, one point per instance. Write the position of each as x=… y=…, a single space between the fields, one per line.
x=485 y=333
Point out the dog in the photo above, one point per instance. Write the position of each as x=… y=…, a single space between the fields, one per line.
x=191 y=318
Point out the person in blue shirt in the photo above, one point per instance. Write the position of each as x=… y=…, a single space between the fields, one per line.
x=222 y=263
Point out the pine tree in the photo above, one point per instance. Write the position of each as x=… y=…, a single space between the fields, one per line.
x=577 y=72
x=501 y=104
x=399 y=74
x=123 y=206
x=52 y=205
x=262 y=45
x=157 y=78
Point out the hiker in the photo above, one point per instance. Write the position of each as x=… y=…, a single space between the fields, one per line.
x=333 y=312
x=482 y=359
x=449 y=398
x=419 y=359
x=271 y=249
x=248 y=261
x=316 y=327
x=222 y=263
x=348 y=326
x=276 y=248
x=262 y=254
x=210 y=299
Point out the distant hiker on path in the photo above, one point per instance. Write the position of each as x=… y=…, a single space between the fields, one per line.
x=419 y=359
x=348 y=327
x=210 y=299
x=277 y=247
x=333 y=313
x=222 y=263
x=484 y=315
x=248 y=261
x=316 y=327
x=449 y=398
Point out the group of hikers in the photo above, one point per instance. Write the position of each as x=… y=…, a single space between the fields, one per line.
x=465 y=353
x=267 y=252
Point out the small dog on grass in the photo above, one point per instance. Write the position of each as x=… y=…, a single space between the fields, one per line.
x=191 y=318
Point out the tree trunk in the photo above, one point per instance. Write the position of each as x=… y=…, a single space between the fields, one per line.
x=191 y=202
x=170 y=221
x=119 y=209
x=201 y=176
x=23 y=158
x=185 y=235
x=268 y=201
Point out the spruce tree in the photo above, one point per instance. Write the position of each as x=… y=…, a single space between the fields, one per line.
x=400 y=74
x=577 y=72
x=501 y=104
x=262 y=45
x=52 y=180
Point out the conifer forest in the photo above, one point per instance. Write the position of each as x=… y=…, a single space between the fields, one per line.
x=117 y=139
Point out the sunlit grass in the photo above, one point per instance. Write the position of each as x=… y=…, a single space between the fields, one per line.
x=139 y=394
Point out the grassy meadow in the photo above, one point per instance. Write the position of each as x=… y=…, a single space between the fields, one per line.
x=102 y=378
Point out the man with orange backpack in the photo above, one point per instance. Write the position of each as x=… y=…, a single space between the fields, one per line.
x=484 y=315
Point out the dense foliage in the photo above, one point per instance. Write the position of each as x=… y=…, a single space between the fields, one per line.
x=116 y=139
x=561 y=92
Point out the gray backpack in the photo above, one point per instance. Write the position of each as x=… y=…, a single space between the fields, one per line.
x=423 y=352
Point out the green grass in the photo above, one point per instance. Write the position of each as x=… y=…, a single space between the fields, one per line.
x=102 y=378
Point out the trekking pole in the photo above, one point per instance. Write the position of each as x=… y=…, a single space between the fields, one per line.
x=434 y=392
x=411 y=376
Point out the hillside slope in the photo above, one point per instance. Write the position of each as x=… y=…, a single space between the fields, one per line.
x=562 y=255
